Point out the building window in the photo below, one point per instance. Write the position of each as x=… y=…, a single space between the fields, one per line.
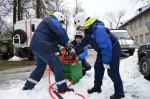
x=136 y=39
x=146 y=17
x=141 y=39
x=131 y=27
x=135 y=25
x=147 y=37
x=141 y=22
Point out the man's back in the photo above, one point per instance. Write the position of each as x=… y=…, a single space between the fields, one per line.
x=48 y=35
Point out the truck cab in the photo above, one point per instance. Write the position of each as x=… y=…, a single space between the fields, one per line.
x=125 y=40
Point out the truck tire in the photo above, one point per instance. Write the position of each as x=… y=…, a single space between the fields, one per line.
x=144 y=67
x=30 y=55
x=3 y=49
x=23 y=35
x=131 y=53
x=5 y=56
x=31 y=58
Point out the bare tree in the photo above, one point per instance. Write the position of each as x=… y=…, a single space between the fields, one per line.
x=19 y=9
x=61 y=6
x=114 y=18
x=24 y=9
x=38 y=8
x=67 y=20
x=5 y=12
x=78 y=7
x=28 y=9
x=14 y=11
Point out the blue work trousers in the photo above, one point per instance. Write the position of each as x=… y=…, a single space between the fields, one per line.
x=47 y=58
x=113 y=73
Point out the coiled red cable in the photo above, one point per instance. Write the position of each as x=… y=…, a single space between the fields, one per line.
x=51 y=88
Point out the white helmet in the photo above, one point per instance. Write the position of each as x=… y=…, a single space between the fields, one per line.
x=79 y=34
x=60 y=16
x=80 y=19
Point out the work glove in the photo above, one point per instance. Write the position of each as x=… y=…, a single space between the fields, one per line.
x=72 y=50
x=77 y=58
x=61 y=48
x=106 y=66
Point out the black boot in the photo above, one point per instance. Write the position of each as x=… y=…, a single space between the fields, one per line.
x=95 y=89
x=117 y=96
x=70 y=89
x=83 y=71
x=24 y=88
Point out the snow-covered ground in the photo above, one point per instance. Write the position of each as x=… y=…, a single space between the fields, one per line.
x=16 y=58
x=135 y=86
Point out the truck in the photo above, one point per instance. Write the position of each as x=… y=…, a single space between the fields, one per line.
x=6 y=48
x=22 y=35
x=125 y=40
x=144 y=59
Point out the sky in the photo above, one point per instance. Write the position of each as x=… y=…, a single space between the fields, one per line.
x=100 y=7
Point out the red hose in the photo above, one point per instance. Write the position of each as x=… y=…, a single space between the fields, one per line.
x=51 y=93
x=51 y=88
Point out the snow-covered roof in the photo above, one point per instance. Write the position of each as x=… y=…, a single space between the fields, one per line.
x=133 y=18
x=143 y=8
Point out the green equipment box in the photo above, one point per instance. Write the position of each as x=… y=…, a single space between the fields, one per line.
x=73 y=71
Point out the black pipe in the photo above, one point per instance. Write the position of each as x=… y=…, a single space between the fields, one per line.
x=58 y=95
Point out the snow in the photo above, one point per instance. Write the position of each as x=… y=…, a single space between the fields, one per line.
x=16 y=58
x=135 y=86
x=136 y=50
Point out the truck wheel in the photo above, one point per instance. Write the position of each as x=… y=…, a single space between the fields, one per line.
x=5 y=56
x=30 y=56
x=23 y=35
x=3 y=49
x=131 y=53
x=144 y=67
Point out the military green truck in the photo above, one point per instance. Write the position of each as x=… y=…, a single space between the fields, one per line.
x=6 y=48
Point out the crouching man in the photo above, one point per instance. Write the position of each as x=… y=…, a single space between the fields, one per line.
x=83 y=53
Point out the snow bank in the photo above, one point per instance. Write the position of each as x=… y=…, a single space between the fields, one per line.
x=136 y=50
x=135 y=85
x=16 y=58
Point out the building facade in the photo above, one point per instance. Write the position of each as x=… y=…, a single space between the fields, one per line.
x=137 y=27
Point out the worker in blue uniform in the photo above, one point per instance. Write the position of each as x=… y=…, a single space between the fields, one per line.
x=83 y=53
x=48 y=34
x=108 y=52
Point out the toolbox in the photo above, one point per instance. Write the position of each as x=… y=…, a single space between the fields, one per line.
x=73 y=71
